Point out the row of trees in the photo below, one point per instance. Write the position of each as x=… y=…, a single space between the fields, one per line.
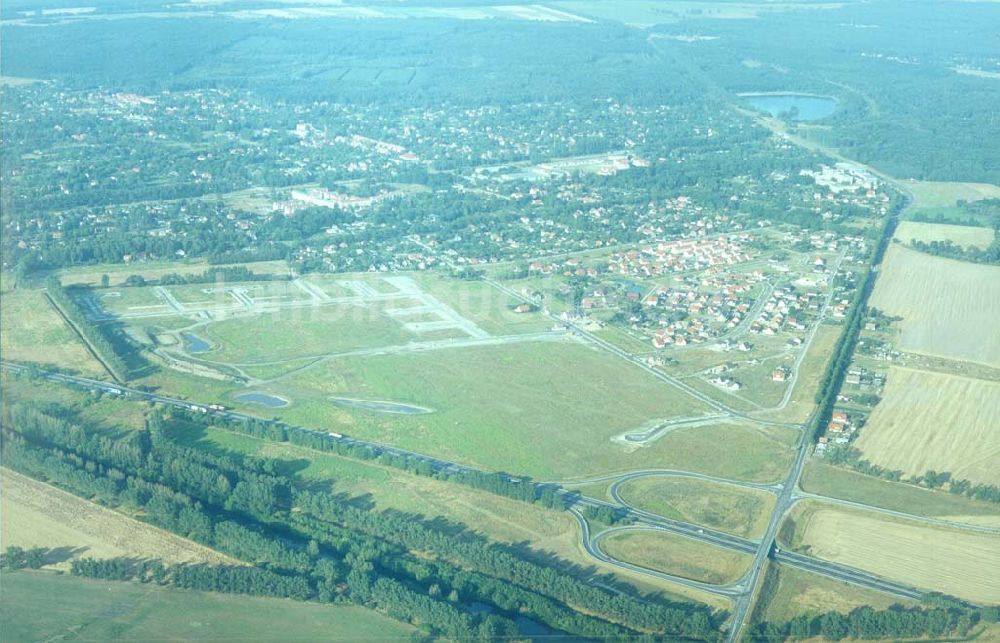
x=866 y=623
x=517 y=488
x=850 y=457
x=215 y=274
x=106 y=348
x=15 y=557
x=951 y=250
x=342 y=552
x=229 y=579
x=843 y=350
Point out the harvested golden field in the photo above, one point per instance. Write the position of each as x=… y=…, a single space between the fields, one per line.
x=949 y=308
x=959 y=563
x=935 y=421
x=936 y=194
x=32 y=331
x=960 y=235
x=35 y=514
x=677 y=555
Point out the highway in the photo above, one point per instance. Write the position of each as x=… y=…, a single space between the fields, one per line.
x=668 y=473
x=591 y=543
x=784 y=502
x=741 y=591
x=940 y=522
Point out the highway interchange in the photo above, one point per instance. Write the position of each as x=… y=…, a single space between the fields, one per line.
x=787 y=492
x=740 y=591
x=743 y=591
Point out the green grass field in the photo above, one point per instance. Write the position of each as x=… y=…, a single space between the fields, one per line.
x=129 y=300
x=546 y=409
x=32 y=331
x=743 y=512
x=337 y=285
x=303 y=332
x=743 y=452
x=482 y=304
x=796 y=592
x=677 y=555
x=941 y=194
x=841 y=483
x=42 y=606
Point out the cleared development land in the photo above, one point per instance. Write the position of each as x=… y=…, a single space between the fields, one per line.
x=949 y=308
x=958 y=563
x=743 y=512
x=677 y=555
x=960 y=235
x=93 y=610
x=39 y=515
x=501 y=391
x=302 y=333
x=935 y=421
x=548 y=409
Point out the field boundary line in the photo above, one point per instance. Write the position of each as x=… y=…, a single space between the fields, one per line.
x=79 y=335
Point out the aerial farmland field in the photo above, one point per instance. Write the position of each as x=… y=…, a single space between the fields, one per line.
x=838 y=482
x=36 y=514
x=906 y=429
x=94 y=610
x=34 y=331
x=937 y=194
x=955 y=562
x=948 y=307
x=961 y=235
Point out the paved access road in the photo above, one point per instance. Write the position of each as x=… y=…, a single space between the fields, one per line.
x=741 y=591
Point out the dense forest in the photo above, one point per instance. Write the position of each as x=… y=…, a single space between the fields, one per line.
x=315 y=545
x=892 y=66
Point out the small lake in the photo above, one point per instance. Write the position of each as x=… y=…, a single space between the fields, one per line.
x=802 y=107
x=195 y=344
x=263 y=399
x=380 y=406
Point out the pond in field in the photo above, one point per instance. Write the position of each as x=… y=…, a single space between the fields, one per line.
x=380 y=406
x=195 y=344
x=798 y=107
x=263 y=399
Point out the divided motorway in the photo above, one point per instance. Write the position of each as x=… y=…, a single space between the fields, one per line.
x=740 y=590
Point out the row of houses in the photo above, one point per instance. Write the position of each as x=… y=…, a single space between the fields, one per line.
x=680 y=255
x=839 y=430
